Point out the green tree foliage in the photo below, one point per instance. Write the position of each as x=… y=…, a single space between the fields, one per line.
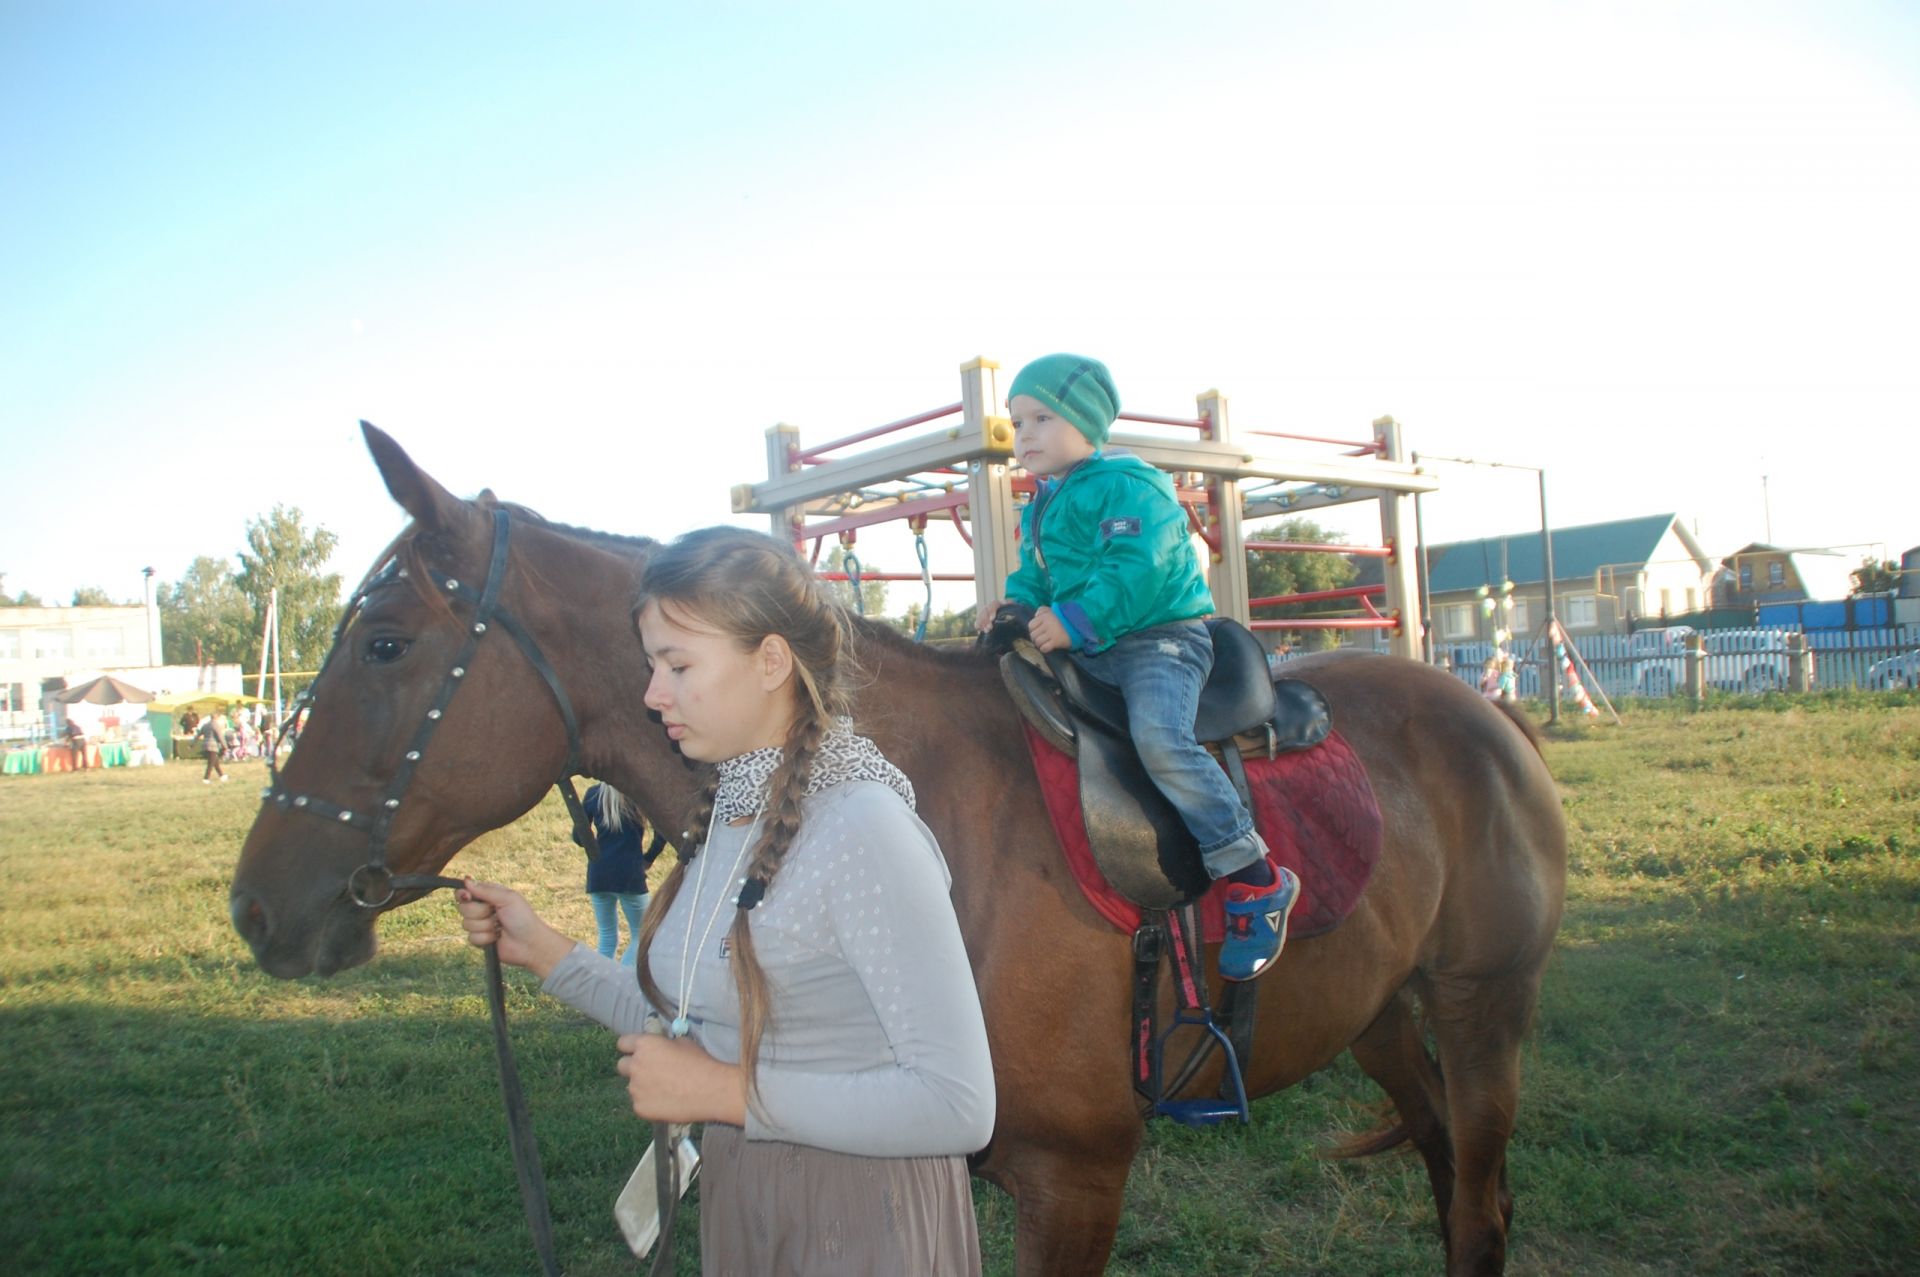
x=872 y=593
x=1875 y=576
x=205 y=604
x=949 y=624
x=26 y=598
x=281 y=553
x=93 y=596
x=1299 y=572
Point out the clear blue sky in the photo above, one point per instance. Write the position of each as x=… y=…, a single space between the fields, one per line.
x=587 y=254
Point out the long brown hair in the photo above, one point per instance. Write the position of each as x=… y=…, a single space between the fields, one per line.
x=750 y=587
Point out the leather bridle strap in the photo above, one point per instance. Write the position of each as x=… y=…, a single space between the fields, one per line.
x=526 y=1153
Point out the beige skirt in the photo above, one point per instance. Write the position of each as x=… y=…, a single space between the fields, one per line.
x=769 y=1209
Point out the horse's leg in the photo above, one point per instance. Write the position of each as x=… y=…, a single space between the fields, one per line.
x=1069 y=1208
x=1393 y=1054
x=1478 y=1024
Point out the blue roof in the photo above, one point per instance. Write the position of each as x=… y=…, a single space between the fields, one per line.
x=1577 y=552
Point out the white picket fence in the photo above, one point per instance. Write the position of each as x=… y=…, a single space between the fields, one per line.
x=1743 y=661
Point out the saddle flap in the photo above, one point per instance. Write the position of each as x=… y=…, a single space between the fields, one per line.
x=1239 y=693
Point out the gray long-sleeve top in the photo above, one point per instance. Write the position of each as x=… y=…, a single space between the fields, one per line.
x=876 y=1045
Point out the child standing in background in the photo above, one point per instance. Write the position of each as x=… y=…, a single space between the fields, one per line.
x=617 y=878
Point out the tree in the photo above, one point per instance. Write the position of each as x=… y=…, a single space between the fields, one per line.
x=26 y=598
x=92 y=596
x=207 y=605
x=872 y=593
x=281 y=554
x=1875 y=576
x=1299 y=572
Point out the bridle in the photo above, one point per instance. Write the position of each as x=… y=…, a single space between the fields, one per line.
x=373 y=885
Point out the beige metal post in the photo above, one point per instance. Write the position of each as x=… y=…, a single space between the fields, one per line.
x=1227 y=566
x=783 y=445
x=1694 y=668
x=1401 y=571
x=1799 y=664
x=989 y=490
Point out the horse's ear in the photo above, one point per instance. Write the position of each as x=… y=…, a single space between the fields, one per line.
x=418 y=492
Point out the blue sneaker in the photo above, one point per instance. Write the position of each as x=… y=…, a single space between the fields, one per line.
x=1257 y=924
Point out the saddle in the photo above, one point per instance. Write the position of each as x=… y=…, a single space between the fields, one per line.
x=1138 y=840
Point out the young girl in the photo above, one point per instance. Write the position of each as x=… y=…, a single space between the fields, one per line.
x=822 y=1017
x=617 y=877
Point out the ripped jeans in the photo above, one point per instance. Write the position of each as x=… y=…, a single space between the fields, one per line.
x=1160 y=671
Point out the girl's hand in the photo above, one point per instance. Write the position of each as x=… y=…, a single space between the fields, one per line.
x=497 y=915
x=675 y=1080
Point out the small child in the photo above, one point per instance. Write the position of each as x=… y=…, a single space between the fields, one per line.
x=1106 y=561
x=617 y=877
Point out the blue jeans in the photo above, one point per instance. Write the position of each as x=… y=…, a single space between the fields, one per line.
x=631 y=903
x=1160 y=671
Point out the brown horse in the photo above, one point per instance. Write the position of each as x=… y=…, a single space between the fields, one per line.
x=1460 y=914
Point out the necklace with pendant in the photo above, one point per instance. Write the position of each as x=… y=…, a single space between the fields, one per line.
x=681 y=1025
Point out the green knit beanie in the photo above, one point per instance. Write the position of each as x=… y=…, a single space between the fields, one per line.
x=1078 y=388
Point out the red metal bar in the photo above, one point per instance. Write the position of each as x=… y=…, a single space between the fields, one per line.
x=1344 y=443
x=1317 y=596
x=1329 y=623
x=1318 y=547
x=960 y=526
x=935 y=414
x=886 y=514
x=1191 y=423
x=1366 y=450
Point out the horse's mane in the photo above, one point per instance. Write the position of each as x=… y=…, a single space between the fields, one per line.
x=881 y=635
x=524 y=514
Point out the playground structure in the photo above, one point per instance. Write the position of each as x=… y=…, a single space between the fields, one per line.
x=962 y=472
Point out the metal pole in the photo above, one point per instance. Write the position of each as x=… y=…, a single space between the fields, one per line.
x=1553 y=629
x=1426 y=595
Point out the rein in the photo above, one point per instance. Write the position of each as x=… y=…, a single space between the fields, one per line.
x=373 y=885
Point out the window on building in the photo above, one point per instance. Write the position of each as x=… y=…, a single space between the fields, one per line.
x=1746 y=576
x=9 y=645
x=1456 y=620
x=12 y=697
x=1693 y=599
x=1666 y=601
x=1582 y=612
x=1776 y=573
x=53 y=644
x=1520 y=617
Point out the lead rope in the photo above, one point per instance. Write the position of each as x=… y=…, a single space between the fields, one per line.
x=526 y=1153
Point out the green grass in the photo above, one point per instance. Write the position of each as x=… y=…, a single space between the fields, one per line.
x=1723 y=1079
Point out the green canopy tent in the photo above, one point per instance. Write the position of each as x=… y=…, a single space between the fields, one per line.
x=166 y=711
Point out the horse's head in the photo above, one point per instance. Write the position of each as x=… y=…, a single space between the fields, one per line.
x=424 y=732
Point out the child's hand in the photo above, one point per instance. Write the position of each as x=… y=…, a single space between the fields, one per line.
x=1047 y=633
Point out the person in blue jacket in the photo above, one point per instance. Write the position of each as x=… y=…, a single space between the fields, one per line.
x=617 y=878
x=1107 y=564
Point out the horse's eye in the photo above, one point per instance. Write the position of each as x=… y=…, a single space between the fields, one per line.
x=386 y=649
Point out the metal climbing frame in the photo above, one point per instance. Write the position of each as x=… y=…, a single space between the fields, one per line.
x=961 y=470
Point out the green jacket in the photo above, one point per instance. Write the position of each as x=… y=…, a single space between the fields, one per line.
x=1106 y=546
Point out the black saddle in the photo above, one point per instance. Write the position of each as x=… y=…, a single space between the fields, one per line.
x=1142 y=846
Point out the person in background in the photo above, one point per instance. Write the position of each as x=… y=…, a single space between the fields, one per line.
x=77 y=741
x=617 y=877
x=212 y=739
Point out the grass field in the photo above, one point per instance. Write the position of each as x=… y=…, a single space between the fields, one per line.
x=1723 y=1081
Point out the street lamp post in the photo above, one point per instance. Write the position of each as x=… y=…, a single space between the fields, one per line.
x=1549 y=663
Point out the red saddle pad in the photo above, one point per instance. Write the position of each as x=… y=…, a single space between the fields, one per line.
x=1315 y=808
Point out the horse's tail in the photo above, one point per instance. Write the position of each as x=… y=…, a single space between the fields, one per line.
x=1380 y=1139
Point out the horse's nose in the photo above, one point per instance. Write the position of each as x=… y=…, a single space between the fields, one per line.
x=249 y=918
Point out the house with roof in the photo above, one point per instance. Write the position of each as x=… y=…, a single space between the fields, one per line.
x=1605 y=576
x=1758 y=573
